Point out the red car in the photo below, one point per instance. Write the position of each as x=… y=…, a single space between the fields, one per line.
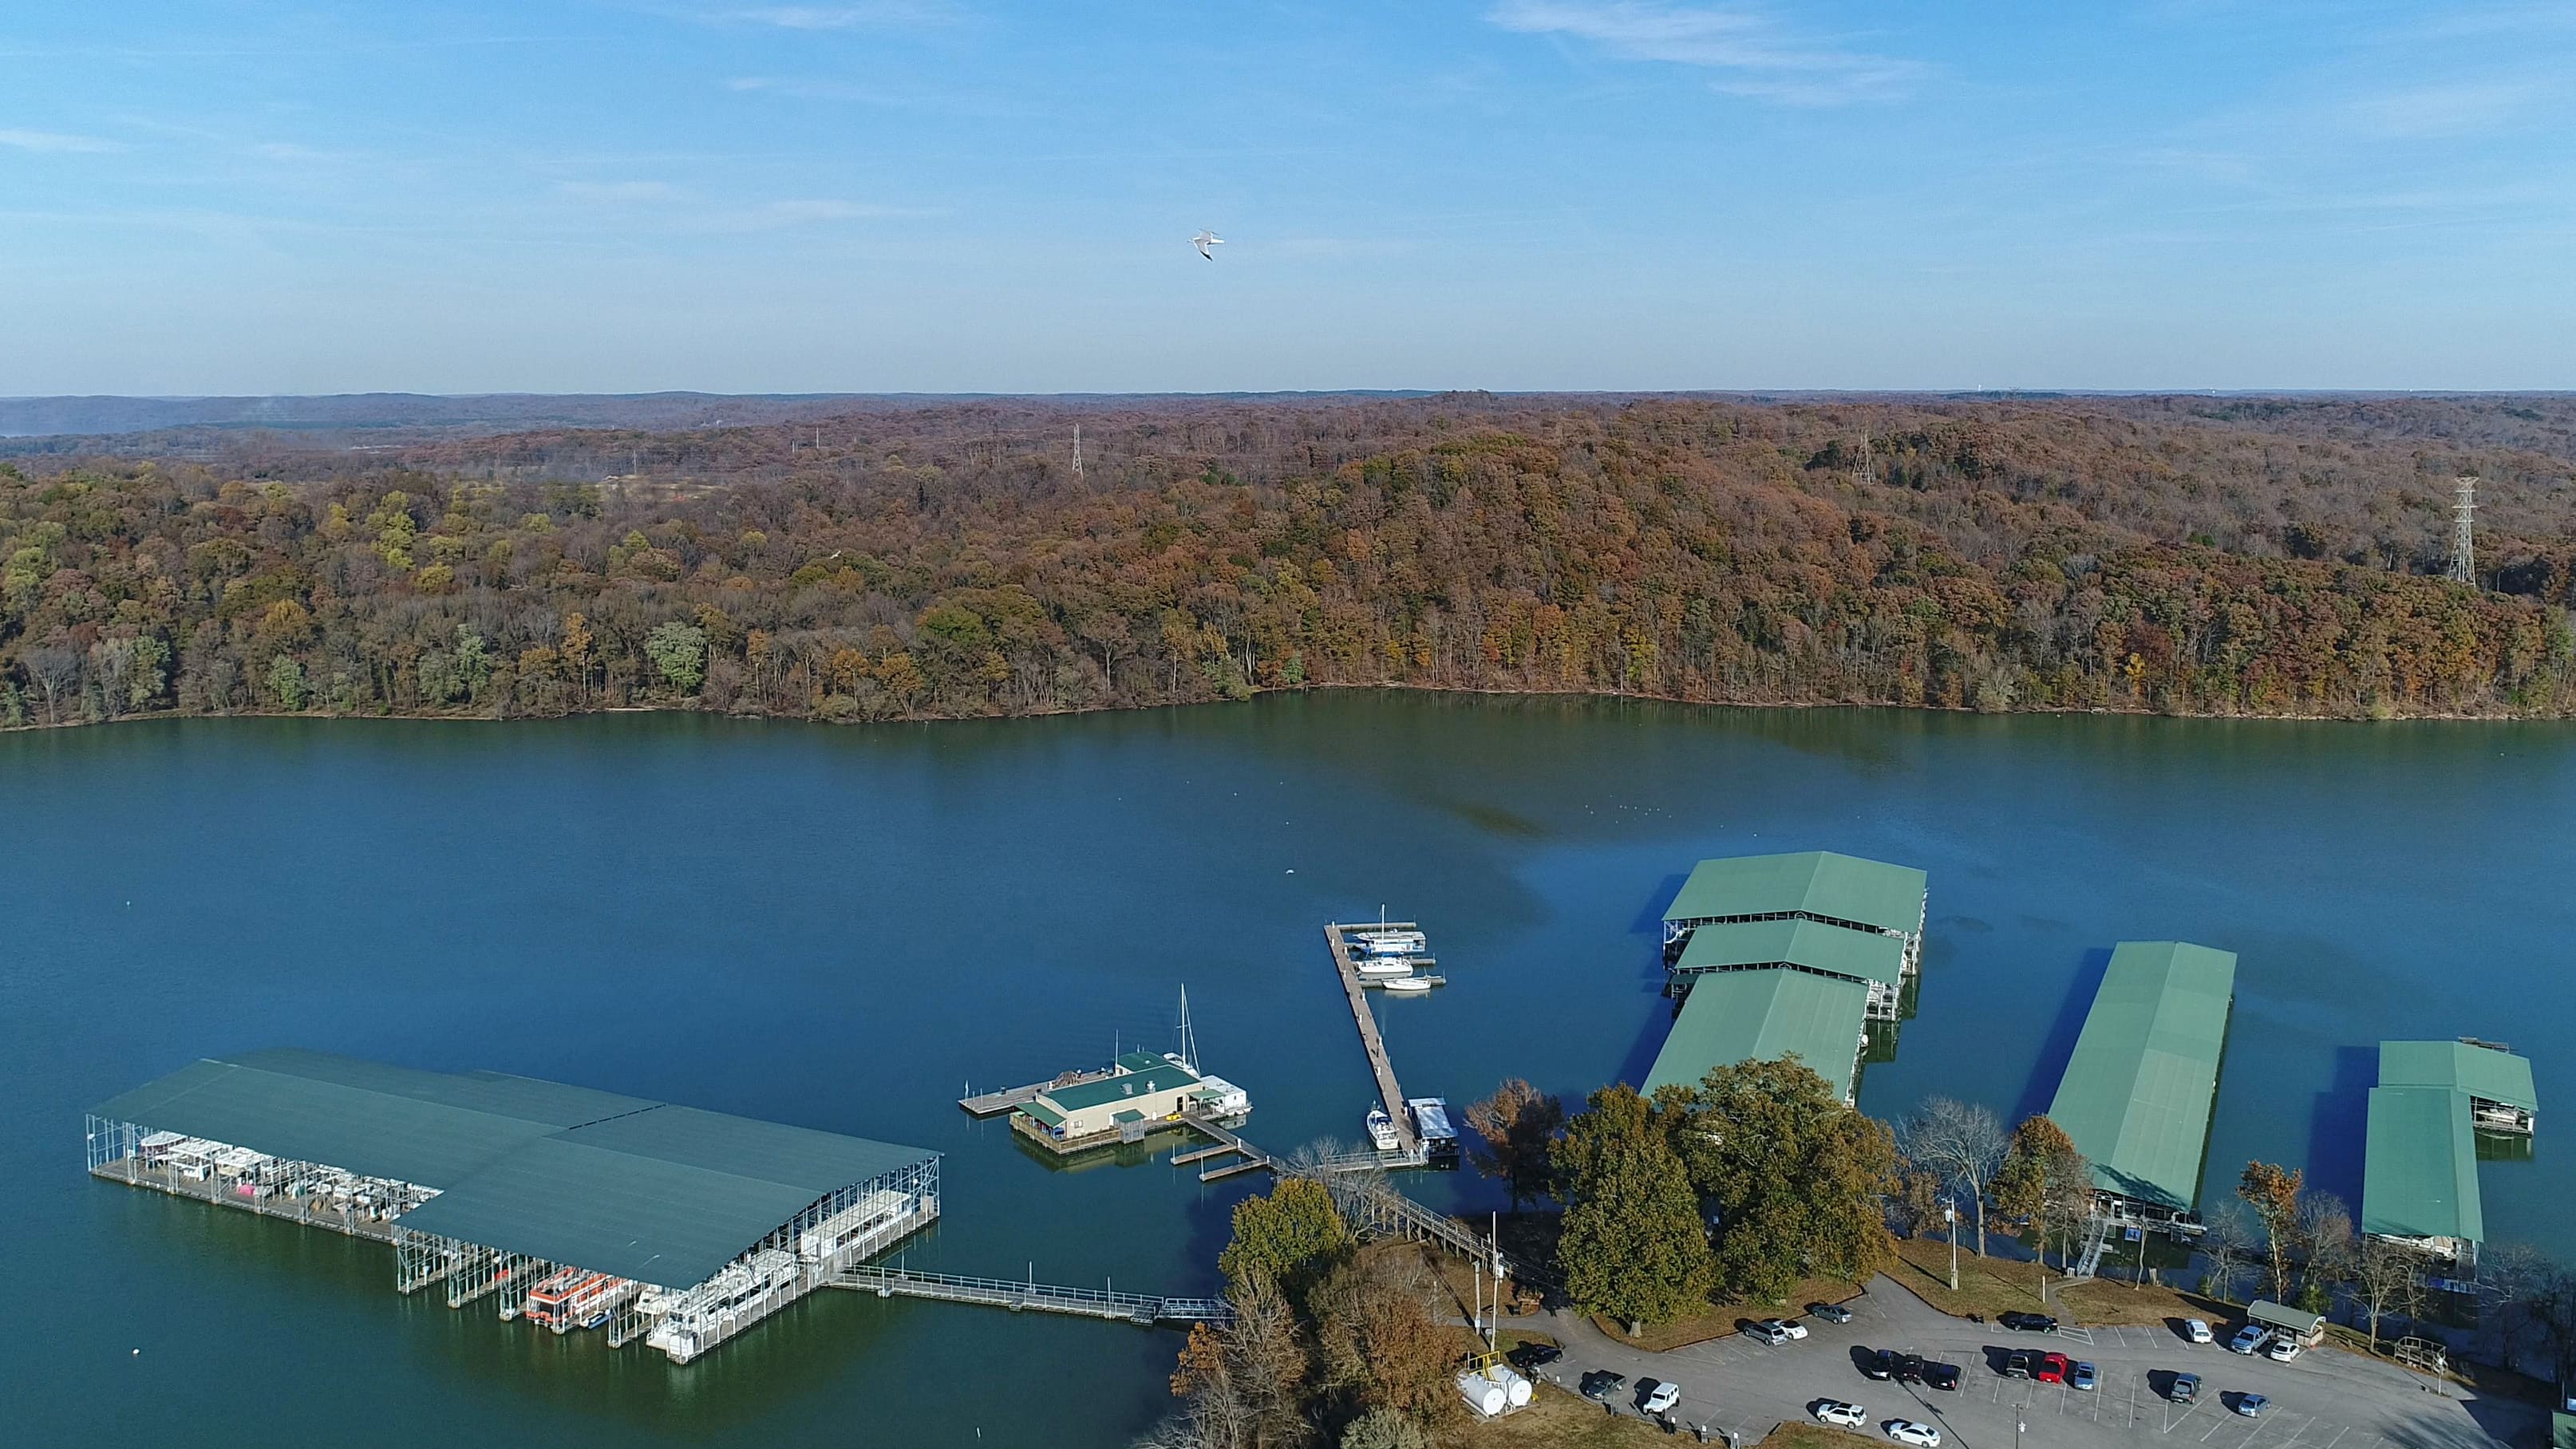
x=2052 y=1368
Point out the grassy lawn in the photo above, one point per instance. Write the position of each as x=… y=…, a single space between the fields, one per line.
x=1560 y=1420
x=1812 y=1436
x=1724 y=1319
x=1996 y=1285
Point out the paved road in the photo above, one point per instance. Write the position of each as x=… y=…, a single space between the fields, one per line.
x=2325 y=1399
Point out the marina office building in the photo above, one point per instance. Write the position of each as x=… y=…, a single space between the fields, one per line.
x=577 y=1208
x=1139 y=1092
x=2419 y=1182
x=2141 y=1085
x=1772 y=954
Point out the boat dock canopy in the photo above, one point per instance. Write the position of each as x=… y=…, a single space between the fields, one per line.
x=619 y=1185
x=2305 y=1327
x=1748 y=1016
x=1808 y=945
x=1817 y=883
x=2137 y=1093
x=2419 y=1176
x=2485 y=1073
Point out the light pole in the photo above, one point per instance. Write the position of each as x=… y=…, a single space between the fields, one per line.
x=1950 y=1215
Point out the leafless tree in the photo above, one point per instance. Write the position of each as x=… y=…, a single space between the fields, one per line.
x=2507 y=1275
x=2227 y=1241
x=1960 y=1141
x=2325 y=1230
x=57 y=672
x=2388 y=1281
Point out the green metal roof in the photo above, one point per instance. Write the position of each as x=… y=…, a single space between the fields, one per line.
x=621 y=1185
x=2482 y=1072
x=1161 y=1077
x=1043 y=1113
x=1834 y=950
x=2137 y=1093
x=1749 y=1016
x=2419 y=1177
x=1816 y=882
x=1138 y=1061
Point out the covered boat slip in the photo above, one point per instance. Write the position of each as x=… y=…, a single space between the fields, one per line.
x=2419 y=1180
x=1743 y=1016
x=2139 y=1088
x=1871 y=957
x=1818 y=885
x=501 y=1181
x=2501 y=1095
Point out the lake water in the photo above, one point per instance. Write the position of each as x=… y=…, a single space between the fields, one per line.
x=841 y=927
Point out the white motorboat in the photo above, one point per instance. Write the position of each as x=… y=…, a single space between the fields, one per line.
x=1406 y=985
x=1394 y=943
x=1381 y=1130
x=1385 y=966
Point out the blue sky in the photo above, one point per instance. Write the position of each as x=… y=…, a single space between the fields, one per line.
x=955 y=195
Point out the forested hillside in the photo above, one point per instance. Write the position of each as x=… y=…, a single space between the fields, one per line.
x=2193 y=555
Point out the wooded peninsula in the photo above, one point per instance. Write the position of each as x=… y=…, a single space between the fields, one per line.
x=2186 y=555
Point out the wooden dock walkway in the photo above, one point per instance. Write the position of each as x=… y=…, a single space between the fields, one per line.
x=1370 y=1041
x=987 y=1104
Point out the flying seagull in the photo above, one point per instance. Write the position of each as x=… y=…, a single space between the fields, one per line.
x=1206 y=239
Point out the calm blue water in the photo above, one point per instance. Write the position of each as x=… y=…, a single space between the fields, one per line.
x=841 y=927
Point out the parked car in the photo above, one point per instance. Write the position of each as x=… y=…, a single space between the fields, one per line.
x=1787 y=1327
x=2197 y=1331
x=2083 y=1376
x=1909 y=1368
x=2028 y=1322
x=1906 y=1431
x=2019 y=1363
x=2252 y=1405
x=1835 y=1411
x=1943 y=1376
x=2051 y=1368
x=1769 y=1330
x=1830 y=1312
x=2248 y=1338
x=2186 y=1388
x=1880 y=1365
x=1528 y=1356
x=2281 y=1350
x=1600 y=1384
x=1656 y=1396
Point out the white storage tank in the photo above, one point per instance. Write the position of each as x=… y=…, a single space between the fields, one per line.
x=1482 y=1394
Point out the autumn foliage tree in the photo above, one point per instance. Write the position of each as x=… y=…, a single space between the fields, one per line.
x=2046 y=1182
x=1516 y=1134
x=2272 y=1191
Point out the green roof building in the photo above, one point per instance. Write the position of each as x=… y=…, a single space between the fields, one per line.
x=2501 y=1096
x=1761 y=1015
x=2139 y=1089
x=2419 y=1180
x=1873 y=958
x=1820 y=885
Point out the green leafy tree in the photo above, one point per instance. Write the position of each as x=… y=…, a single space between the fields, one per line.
x=1287 y=1238
x=473 y=662
x=680 y=652
x=1633 y=1247
x=1798 y=1178
x=286 y=682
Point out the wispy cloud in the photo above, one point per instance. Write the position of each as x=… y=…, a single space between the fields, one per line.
x=2443 y=110
x=843 y=17
x=780 y=215
x=55 y=141
x=1754 y=54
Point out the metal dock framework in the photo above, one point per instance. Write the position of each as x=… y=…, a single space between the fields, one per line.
x=1029 y=1295
x=1370 y=1041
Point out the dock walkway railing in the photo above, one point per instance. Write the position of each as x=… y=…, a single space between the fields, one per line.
x=1029 y=1295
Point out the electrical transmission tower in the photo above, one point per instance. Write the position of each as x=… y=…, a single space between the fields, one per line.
x=2464 y=507
x=1077 y=452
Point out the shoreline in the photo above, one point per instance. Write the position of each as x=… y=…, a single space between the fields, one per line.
x=677 y=707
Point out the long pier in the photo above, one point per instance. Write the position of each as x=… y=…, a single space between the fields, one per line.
x=1029 y=1295
x=1370 y=1041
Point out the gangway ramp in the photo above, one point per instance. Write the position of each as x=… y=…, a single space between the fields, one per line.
x=1030 y=1296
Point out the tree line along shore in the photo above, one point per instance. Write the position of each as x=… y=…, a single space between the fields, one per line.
x=2185 y=556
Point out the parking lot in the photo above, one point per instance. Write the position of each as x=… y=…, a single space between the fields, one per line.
x=2324 y=1399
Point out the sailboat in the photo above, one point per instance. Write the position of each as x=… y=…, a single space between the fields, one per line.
x=1220 y=1098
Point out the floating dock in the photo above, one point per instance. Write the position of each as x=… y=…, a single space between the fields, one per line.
x=993 y=1104
x=1383 y=1070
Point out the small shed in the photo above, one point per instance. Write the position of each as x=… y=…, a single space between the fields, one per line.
x=2305 y=1329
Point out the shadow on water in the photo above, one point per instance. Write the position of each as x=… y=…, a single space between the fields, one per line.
x=2058 y=1047
x=2338 y=1125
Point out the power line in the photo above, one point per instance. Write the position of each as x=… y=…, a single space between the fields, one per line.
x=2464 y=507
